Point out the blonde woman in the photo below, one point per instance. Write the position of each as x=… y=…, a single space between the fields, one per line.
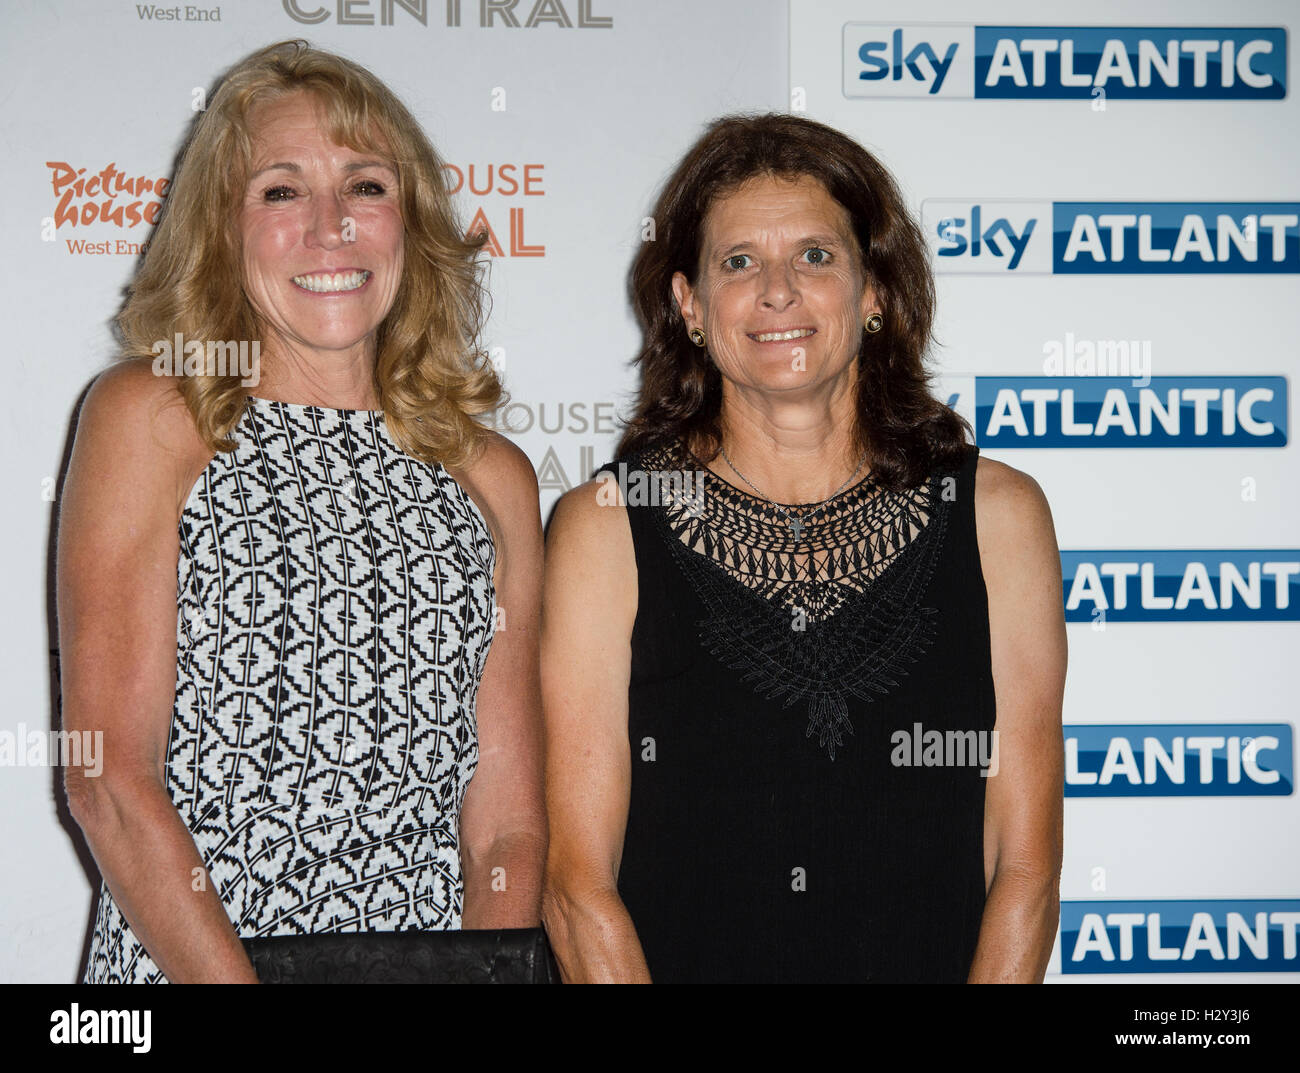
x=302 y=604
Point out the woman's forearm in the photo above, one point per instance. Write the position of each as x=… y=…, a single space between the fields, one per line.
x=503 y=885
x=1019 y=927
x=149 y=860
x=593 y=938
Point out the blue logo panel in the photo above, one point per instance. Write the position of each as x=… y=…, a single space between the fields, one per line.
x=1203 y=585
x=1110 y=411
x=1167 y=936
x=1179 y=760
x=1175 y=237
x=1130 y=62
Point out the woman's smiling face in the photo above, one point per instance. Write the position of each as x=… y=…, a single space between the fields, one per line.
x=780 y=291
x=322 y=234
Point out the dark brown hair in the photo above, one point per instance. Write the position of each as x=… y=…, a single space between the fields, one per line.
x=904 y=429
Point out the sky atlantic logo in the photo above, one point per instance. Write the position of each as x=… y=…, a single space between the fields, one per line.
x=1179 y=760
x=1167 y=935
x=526 y=14
x=1107 y=398
x=1207 y=585
x=1170 y=411
x=997 y=237
x=956 y=61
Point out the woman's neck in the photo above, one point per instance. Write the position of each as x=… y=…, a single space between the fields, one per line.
x=795 y=452
x=343 y=381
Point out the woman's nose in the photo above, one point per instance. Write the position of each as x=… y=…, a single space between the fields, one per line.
x=327 y=223
x=779 y=289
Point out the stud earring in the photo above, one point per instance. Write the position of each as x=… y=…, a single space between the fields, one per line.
x=697 y=336
x=874 y=323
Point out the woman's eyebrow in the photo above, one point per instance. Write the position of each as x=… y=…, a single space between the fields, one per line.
x=356 y=165
x=360 y=165
x=807 y=240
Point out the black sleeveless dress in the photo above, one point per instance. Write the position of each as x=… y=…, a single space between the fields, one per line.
x=808 y=746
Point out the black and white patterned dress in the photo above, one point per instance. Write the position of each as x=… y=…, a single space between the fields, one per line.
x=336 y=609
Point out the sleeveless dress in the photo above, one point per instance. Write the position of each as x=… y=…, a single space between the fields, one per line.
x=807 y=744
x=335 y=615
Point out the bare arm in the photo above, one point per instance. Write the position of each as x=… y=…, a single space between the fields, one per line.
x=1023 y=812
x=589 y=608
x=503 y=818
x=135 y=454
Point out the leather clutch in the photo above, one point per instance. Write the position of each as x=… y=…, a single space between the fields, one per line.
x=508 y=956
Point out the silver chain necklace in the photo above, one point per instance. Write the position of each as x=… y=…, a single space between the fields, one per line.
x=795 y=522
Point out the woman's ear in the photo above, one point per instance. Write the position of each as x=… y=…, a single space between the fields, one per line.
x=685 y=299
x=870 y=302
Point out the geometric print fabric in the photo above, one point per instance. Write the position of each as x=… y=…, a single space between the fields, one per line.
x=335 y=612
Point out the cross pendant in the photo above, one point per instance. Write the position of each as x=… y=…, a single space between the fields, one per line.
x=796 y=527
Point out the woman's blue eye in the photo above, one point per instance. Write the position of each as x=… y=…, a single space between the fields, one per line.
x=817 y=255
x=731 y=261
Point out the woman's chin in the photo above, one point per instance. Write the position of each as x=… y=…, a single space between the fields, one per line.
x=782 y=379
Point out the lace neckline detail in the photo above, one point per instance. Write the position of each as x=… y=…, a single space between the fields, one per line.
x=851 y=540
x=837 y=612
x=863 y=483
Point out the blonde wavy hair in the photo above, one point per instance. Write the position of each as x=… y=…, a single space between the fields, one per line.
x=432 y=375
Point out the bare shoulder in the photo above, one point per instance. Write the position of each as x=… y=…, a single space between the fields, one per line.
x=502 y=468
x=134 y=426
x=130 y=395
x=1009 y=504
x=501 y=481
x=591 y=571
x=592 y=515
x=590 y=535
x=1016 y=537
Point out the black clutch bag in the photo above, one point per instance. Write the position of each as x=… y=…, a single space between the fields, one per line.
x=510 y=956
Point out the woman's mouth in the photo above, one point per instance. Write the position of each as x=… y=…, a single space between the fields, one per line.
x=332 y=282
x=782 y=337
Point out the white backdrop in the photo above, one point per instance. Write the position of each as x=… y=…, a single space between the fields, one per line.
x=598 y=115
x=1172 y=851
x=601 y=114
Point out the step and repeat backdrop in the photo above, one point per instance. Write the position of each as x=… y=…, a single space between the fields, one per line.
x=558 y=120
x=1112 y=198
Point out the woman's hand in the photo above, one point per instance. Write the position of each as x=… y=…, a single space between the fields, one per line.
x=1023 y=808
x=590 y=603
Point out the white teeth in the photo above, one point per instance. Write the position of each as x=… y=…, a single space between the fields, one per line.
x=774 y=337
x=329 y=283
